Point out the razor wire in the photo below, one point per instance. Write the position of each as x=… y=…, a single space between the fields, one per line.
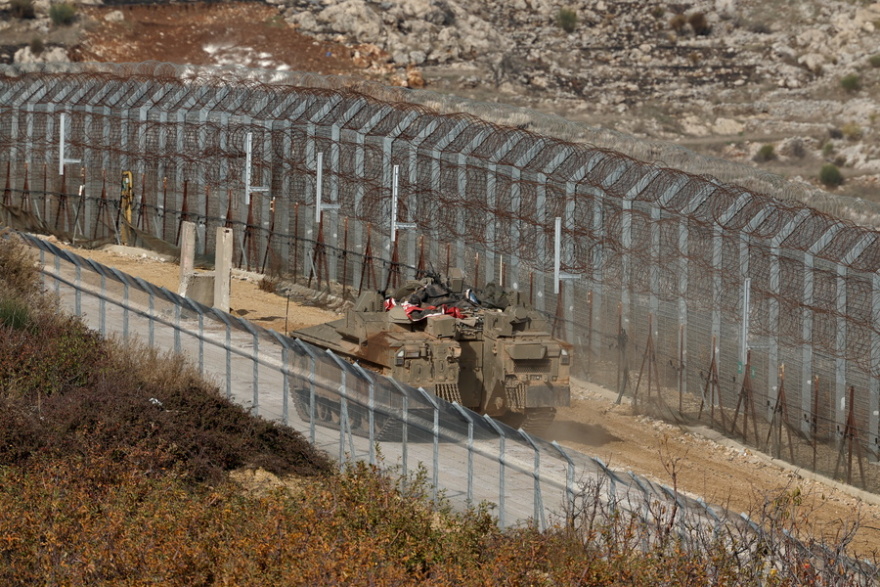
x=649 y=252
x=536 y=482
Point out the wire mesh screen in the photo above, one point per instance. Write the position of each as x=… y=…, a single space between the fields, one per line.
x=732 y=303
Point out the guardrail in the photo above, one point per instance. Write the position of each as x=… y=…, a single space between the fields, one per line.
x=349 y=412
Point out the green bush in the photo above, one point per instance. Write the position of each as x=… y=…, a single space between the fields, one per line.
x=566 y=18
x=874 y=60
x=765 y=153
x=22 y=9
x=62 y=14
x=14 y=314
x=851 y=82
x=830 y=175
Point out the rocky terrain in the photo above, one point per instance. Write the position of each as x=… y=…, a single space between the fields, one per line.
x=781 y=84
x=725 y=77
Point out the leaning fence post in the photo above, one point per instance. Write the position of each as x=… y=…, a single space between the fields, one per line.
x=102 y=305
x=501 y=462
x=404 y=433
x=536 y=474
x=469 y=418
x=435 y=433
x=344 y=420
x=371 y=410
x=313 y=369
x=569 y=475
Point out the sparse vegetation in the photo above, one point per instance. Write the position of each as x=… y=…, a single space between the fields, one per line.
x=851 y=82
x=678 y=22
x=874 y=60
x=268 y=284
x=62 y=14
x=759 y=28
x=700 y=24
x=765 y=153
x=830 y=175
x=851 y=131
x=22 y=9
x=796 y=148
x=567 y=19
x=37 y=46
x=14 y=313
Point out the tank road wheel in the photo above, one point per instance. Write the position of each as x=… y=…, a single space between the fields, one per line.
x=356 y=418
x=324 y=409
x=301 y=402
x=535 y=421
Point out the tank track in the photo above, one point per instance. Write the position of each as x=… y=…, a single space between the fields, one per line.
x=535 y=421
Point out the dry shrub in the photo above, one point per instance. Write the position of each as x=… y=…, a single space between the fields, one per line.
x=67 y=390
x=268 y=284
x=765 y=153
x=700 y=24
x=852 y=131
x=678 y=22
x=19 y=274
x=103 y=520
x=23 y=9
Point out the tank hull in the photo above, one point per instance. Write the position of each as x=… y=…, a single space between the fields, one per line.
x=500 y=362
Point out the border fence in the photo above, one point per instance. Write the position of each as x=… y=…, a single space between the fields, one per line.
x=473 y=460
x=481 y=460
x=700 y=299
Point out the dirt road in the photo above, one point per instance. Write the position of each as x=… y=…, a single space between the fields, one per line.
x=697 y=462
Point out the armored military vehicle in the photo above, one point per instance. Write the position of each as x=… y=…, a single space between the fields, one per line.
x=485 y=350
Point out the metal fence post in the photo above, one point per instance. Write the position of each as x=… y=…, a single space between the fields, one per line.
x=102 y=305
x=78 y=294
x=435 y=435
x=256 y=362
x=371 y=410
x=150 y=318
x=344 y=419
x=228 y=358
x=468 y=416
x=125 y=304
x=536 y=473
x=569 y=474
x=285 y=378
x=501 y=466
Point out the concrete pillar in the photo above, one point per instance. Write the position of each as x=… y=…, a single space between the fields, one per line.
x=223 y=269
x=187 y=255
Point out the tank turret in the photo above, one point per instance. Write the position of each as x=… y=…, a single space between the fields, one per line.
x=485 y=350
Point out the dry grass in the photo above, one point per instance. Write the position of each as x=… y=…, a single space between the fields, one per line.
x=114 y=469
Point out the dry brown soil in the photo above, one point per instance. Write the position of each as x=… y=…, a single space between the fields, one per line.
x=698 y=462
x=245 y=34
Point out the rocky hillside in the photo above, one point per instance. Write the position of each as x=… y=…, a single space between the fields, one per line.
x=786 y=85
x=725 y=77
